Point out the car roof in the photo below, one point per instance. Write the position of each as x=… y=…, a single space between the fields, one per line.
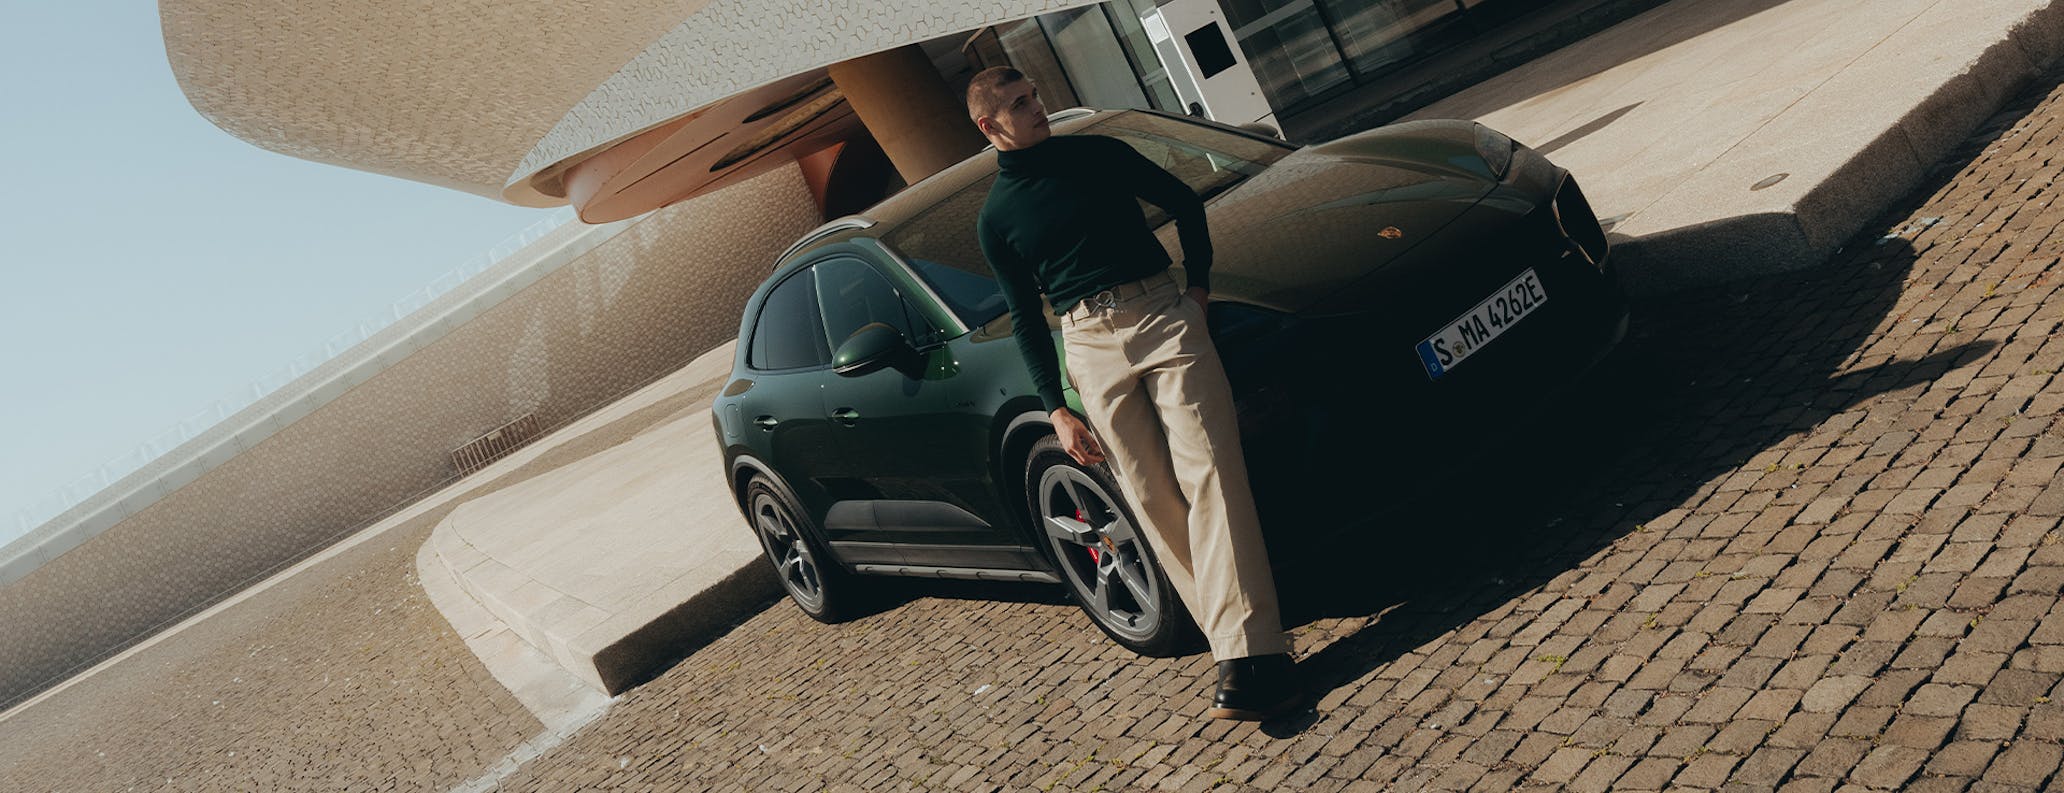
x=907 y=203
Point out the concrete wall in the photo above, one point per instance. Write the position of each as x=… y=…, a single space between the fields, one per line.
x=580 y=317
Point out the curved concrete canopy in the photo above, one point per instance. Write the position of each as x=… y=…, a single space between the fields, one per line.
x=733 y=46
x=498 y=97
x=449 y=92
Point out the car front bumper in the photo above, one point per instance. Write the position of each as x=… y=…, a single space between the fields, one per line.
x=1342 y=405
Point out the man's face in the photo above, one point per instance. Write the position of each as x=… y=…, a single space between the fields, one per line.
x=1019 y=120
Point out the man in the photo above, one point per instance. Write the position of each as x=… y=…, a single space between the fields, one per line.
x=1062 y=217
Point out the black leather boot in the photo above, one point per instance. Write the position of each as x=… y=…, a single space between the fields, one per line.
x=1256 y=688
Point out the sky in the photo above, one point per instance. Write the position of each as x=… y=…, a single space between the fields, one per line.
x=153 y=264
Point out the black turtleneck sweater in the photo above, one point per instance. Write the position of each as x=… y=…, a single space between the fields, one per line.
x=1063 y=218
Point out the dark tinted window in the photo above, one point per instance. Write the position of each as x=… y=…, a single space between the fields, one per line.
x=853 y=295
x=787 y=334
x=974 y=297
x=1209 y=45
x=941 y=245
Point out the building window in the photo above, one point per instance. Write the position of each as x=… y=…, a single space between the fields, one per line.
x=1375 y=34
x=1289 y=47
x=1026 y=49
x=1132 y=35
x=1088 y=48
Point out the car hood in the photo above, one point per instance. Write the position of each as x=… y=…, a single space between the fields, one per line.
x=1322 y=218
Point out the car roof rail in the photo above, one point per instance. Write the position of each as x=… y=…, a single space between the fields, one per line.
x=1073 y=112
x=846 y=223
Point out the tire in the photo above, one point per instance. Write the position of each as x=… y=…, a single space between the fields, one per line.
x=813 y=579
x=1088 y=533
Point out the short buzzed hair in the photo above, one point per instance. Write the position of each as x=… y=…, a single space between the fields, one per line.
x=983 y=88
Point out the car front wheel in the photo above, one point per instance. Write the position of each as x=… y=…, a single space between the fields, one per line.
x=1102 y=555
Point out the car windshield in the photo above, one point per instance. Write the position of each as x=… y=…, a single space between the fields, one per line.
x=1208 y=159
x=940 y=242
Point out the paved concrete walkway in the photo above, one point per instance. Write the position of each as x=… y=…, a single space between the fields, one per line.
x=611 y=566
x=1737 y=137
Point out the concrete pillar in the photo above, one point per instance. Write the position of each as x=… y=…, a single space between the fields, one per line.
x=909 y=109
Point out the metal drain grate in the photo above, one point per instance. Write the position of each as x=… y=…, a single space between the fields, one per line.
x=495 y=445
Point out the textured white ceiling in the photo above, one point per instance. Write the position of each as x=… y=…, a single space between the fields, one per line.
x=735 y=45
x=479 y=95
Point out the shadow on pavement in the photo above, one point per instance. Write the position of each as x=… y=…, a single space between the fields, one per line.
x=1586 y=130
x=888 y=593
x=1703 y=383
x=1436 y=565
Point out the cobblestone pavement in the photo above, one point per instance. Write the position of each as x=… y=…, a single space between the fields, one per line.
x=341 y=678
x=1808 y=539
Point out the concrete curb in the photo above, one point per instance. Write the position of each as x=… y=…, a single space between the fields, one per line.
x=605 y=656
x=613 y=564
x=1879 y=173
x=549 y=691
x=651 y=648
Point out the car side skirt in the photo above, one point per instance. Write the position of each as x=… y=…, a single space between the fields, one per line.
x=874 y=515
x=929 y=555
x=964 y=573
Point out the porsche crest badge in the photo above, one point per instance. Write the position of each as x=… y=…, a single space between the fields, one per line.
x=1391 y=233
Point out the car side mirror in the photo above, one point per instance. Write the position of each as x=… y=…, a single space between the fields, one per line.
x=872 y=347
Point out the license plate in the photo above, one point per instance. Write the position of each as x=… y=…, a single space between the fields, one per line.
x=1466 y=334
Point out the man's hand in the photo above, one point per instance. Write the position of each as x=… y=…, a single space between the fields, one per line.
x=1202 y=297
x=1075 y=438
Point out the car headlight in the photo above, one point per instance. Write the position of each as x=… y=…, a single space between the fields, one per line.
x=1496 y=150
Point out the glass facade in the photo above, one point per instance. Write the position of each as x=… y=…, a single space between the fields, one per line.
x=1094 y=56
x=1374 y=34
x=1088 y=49
x=1302 y=51
x=1132 y=35
x=1289 y=47
x=1026 y=47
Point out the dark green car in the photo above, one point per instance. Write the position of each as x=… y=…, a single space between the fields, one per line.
x=1382 y=302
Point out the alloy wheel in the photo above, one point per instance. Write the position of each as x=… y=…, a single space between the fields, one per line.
x=1099 y=552
x=789 y=552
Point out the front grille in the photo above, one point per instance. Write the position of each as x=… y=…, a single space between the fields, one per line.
x=1578 y=224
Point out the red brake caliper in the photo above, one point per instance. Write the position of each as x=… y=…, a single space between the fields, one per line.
x=1095 y=556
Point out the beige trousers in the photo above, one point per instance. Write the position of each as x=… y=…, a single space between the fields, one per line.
x=1157 y=397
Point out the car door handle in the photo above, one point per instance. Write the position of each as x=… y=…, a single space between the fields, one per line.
x=846 y=416
x=766 y=422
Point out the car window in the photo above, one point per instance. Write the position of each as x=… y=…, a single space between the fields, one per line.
x=972 y=296
x=786 y=334
x=941 y=245
x=1209 y=160
x=852 y=295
